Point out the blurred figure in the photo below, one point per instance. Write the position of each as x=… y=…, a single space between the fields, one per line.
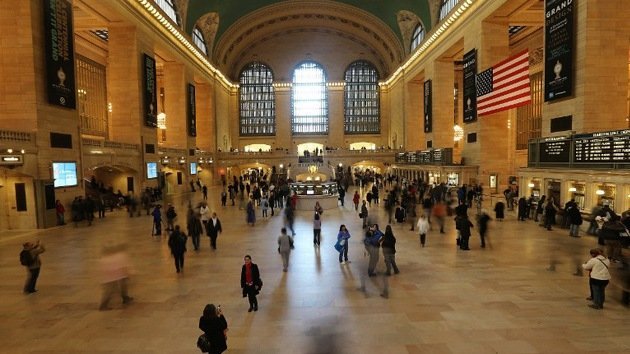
x=439 y=211
x=389 y=251
x=423 y=228
x=499 y=211
x=290 y=219
x=29 y=257
x=157 y=221
x=317 y=229
x=372 y=242
x=214 y=327
x=285 y=244
x=115 y=267
x=463 y=225
x=250 y=213
x=355 y=199
x=482 y=222
x=343 y=237
x=364 y=214
x=194 y=228
x=170 y=217
x=177 y=244
x=60 y=211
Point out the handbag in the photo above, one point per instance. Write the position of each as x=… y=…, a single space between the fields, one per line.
x=338 y=246
x=203 y=343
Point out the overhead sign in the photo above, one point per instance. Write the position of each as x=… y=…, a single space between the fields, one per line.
x=559 y=15
x=11 y=160
x=59 y=37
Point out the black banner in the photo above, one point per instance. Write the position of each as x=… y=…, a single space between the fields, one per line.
x=191 y=111
x=149 y=91
x=428 y=106
x=59 y=35
x=470 y=89
x=559 y=15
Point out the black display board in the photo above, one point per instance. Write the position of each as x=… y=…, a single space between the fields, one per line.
x=559 y=33
x=149 y=91
x=424 y=156
x=428 y=106
x=59 y=38
x=191 y=111
x=602 y=147
x=555 y=150
x=470 y=89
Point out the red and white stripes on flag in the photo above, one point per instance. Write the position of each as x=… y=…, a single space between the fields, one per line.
x=504 y=86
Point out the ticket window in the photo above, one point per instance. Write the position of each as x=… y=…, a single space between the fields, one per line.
x=606 y=195
x=553 y=191
x=534 y=188
x=577 y=192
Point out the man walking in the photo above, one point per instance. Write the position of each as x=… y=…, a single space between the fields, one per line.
x=29 y=257
x=213 y=228
x=177 y=244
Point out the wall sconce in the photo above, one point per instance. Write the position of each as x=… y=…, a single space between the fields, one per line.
x=165 y=160
x=600 y=192
x=281 y=166
x=340 y=164
x=572 y=189
x=531 y=185
x=182 y=160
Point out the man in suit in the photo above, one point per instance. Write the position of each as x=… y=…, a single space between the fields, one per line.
x=213 y=228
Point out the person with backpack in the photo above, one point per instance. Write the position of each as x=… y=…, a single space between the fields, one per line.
x=29 y=257
x=177 y=244
x=264 y=205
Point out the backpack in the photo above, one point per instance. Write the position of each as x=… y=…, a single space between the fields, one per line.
x=26 y=259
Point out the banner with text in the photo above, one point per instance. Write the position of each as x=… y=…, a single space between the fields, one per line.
x=428 y=107
x=59 y=36
x=191 y=111
x=149 y=91
x=470 y=90
x=559 y=32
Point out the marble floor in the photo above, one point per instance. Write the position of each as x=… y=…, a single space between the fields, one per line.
x=501 y=299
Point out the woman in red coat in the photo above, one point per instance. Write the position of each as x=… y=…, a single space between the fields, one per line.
x=250 y=282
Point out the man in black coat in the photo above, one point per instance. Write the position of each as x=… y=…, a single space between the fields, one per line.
x=177 y=244
x=213 y=228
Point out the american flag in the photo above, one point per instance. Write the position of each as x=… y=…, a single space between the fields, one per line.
x=504 y=86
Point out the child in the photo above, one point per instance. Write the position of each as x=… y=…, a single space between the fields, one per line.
x=423 y=228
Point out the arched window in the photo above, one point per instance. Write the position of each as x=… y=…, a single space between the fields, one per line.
x=168 y=7
x=197 y=38
x=258 y=105
x=361 y=106
x=309 y=100
x=418 y=36
x=446 y=7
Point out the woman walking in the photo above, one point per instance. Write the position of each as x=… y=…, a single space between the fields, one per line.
x=598 y=280
x=389 y=251
x=423 y=228
x=214 y=327
x=317 y=229
x=251 y=214
x=285 y=243
x=194 y=228
x=343 y=238
x=250 y=282
x=355 y=199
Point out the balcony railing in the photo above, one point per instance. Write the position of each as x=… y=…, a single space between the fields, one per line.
x=107 y=144
x=13 y=136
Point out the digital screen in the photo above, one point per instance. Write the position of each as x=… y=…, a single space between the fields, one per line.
x=193 y=168
x=606 y=147
x=555 y=150
x=65 y=174
x=151 y=170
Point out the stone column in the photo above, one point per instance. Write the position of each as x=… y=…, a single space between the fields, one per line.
x=175 y=105
x=206 y=137
x=443 y=75
x=414 y=123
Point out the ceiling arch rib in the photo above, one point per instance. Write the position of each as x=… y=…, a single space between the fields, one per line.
x=359 y=29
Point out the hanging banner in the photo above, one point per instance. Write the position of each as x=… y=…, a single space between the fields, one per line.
x=59 y=36
x=149 y=91
x=559 y=15
x=470 y=90
x=191 y=111
x=428 y=107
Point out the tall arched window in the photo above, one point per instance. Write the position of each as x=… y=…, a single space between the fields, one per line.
x=309 y=100
x=418 y=36
x=361 y=106
x=258 y=105
x=168 y=7
x=197 y=38
x=446 y=7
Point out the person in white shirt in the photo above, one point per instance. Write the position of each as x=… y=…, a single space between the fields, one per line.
x=423 y=228
x=204 y=213
x=599 y=277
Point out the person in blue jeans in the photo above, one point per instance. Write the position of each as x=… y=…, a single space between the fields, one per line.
x=598 y=266
x=343 y=238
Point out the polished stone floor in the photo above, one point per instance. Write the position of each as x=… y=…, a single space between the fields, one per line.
x=501 y=299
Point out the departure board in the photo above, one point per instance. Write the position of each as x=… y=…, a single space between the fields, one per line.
x=555 y=149
x=602 y=147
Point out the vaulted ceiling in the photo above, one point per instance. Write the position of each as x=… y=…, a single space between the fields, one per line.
x=282 y=33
